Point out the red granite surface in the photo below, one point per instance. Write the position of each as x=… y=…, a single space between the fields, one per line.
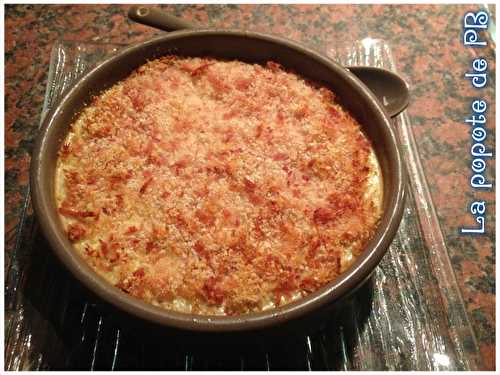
x=426 y=44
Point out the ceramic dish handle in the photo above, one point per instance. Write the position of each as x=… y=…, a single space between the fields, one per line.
x=158 y=19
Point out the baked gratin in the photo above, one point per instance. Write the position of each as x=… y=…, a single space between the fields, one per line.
x=217 y=187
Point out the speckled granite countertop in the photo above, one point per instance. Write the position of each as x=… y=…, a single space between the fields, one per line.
x=426 y=44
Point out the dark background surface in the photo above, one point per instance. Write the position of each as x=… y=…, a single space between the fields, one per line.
x=426 y=41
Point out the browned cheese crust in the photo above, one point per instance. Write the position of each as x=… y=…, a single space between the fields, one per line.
x=217 y=187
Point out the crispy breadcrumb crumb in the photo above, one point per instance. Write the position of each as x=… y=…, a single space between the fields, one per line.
x=217 y=187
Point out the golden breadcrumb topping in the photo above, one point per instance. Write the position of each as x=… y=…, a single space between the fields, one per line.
x=217 y=187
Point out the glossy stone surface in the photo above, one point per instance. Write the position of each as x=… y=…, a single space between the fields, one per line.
x=425 y=40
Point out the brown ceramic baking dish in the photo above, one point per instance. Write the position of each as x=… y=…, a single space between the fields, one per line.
x=248 y=47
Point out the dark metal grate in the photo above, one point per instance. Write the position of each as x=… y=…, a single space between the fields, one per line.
x=408 y=317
